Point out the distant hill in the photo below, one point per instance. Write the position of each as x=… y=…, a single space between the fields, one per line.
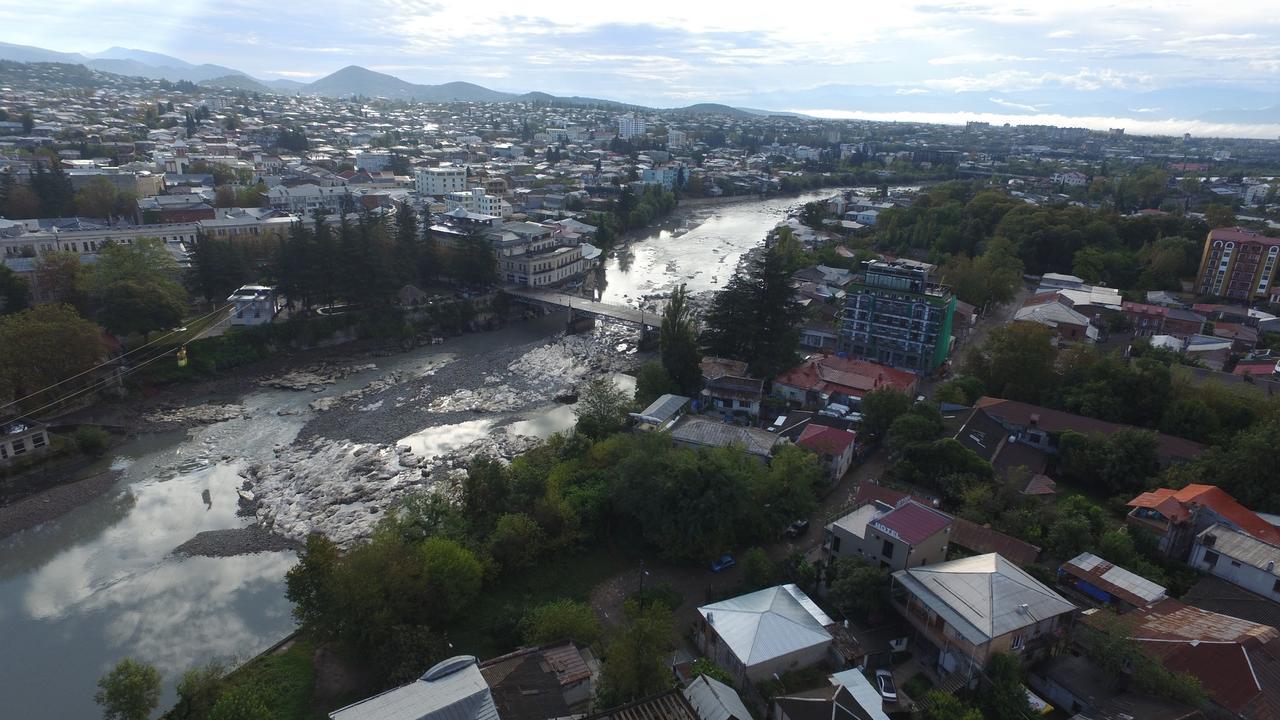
x=239 y=82
x=712 y=109
x=356 y=80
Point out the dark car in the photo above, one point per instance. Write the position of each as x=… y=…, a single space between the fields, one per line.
x=725 y=562
x=797 y=528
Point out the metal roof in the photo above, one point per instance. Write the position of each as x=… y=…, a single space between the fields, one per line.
x=862 y=690
x=698 y=430
x=713 y=700
x=984 y=596
x=453 y=689
x=665 y=407
x=1242 y=547
x=1128 y=586
x=768 y=624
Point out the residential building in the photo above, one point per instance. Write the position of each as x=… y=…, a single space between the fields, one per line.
x=728 y=388
x=537 y=255
x=669 y=177
x=699 y=431
x=894 y=315
x=1108 y=585
x=831 y=702
x=307 y=198
x=713 y=700
x=254 y=305
x=821 y=379
x=767 y=632
x=452 y=689
x=548 y=682
x=440 y=181
x=1236 y=661
x=22 y=438
x=1049 y=310
x=1238 y=264
x=966 y=610
x=1177 y=517
x=630 y=126
x=677 y=138
x=373 y=160
x=1239 y=558
x=835 y=448
x=662 y=413
x=895 y=537
x=1163 y=320
x=1071 y=178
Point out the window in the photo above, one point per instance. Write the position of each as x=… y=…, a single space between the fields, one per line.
x=19 y=446
x=1275 y=587
x=1210 y=558
x=1018 y=642
x=835 y=543
x=37 y=441
x=1235 y=563
x=887 y=550
x=4 y=452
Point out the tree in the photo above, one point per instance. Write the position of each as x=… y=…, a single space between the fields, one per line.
x=679 y=342
x=756 y=318
x=1005 y=699
x=858 y=588
x=945 y=706
x=560 y=620
x=634 y=663
x=28 y=122
x=960 y=390
x=1219 y=215
x=136 y=287
x=198 y=691
x=130 y=691
x=224 y=196
x=309 y=585
x=45 y=345
x=15 y=294
x=61 y=278
x=241 y=703
x=880 y=408
x=22 y=202
x=473 y=260
x=911 y=428
x=602 y=408
x=1016 y=362
x=758 y=571
x=516 y=541
x=97 y=199
x=704 y=666
x=652 y=382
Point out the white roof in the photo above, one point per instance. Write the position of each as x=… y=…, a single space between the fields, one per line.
x=983 y=597
x=1051 y=313
x=713 y=700
x=453 y=689
x=768 y=624
x=1119 y=577
x=862 y=690
x=856 y=521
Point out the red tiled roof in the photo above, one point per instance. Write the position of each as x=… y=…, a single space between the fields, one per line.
x=855 y=378
x=1020 y=414
x=1040 y=485
x=1177 y=504
x=826 y=440
x=1255 y=368
x=914 y=523
x=1144 y=308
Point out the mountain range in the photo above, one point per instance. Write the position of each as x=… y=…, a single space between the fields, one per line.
x=1241 y=104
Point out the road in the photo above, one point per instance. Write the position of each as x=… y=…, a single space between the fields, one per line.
x=591 y=307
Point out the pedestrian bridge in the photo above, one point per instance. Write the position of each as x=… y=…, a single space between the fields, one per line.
x=580 y=306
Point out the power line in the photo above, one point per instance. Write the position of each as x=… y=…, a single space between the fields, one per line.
x=114 y=359
x=103 y=382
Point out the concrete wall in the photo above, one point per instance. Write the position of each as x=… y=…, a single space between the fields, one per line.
x=1247 y=576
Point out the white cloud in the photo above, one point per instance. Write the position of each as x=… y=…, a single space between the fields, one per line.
x=1062 y=34
x=977 y=58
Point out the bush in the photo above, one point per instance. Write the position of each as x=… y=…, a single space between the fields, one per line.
x=662 y=594
x=92 y=440
x=560 y=620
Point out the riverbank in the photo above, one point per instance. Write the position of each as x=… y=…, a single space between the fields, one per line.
x=53 y=503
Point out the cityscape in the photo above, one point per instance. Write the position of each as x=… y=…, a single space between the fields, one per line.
x=598 y=364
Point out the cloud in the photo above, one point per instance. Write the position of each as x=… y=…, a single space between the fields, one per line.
x=978 y=58
x=294 y=73
x=1014 y=105
x=1062 y=34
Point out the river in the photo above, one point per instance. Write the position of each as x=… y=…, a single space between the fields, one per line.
x=100 y=583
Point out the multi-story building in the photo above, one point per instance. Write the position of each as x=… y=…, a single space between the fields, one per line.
x=894 y=537
x=439 y=181
x=1238 y=264
x=476 y=200
x=306 y=199
x=966 y=610
x=630 y=126
x=1179 y=518
x=895 y=316
x=677 y=138
x=1239 y=558
x=668 y=176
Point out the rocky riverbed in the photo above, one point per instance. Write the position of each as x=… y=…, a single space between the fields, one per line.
x=348 y=467
x=235 y=541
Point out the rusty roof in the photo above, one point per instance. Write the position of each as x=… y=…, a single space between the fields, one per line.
x=1120 y=583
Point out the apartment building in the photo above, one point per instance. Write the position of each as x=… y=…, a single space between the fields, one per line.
x=895 y=315
x=630 y=126
x=439 y=181
x=1238 y=264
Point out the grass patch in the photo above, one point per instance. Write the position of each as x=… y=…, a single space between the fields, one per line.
x=492 y=623
x=284 y=682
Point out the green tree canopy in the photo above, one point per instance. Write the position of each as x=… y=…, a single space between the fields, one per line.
x=679 y=345
x=560 y=620
x=129 y=691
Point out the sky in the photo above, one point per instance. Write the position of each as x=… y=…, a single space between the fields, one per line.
x=668 y=53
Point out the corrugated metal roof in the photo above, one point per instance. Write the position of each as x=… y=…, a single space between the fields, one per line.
x=461 y=694
x=713 y=700
x=983 y=596
x=1244 y=548
x=1128 y=586
x=768 y=624
x=697 y=430
x=862 y=690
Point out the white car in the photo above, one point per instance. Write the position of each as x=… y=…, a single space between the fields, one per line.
x=884 y=685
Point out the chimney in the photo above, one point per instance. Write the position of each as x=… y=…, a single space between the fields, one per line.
x=1035 y=419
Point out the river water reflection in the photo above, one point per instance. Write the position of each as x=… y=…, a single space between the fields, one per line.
x=79 y=593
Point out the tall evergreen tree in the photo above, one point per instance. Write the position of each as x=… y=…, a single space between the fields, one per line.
x=408 y=244
x=679 y=340
x=474 y=261
x=756 y=318
x=429 y=255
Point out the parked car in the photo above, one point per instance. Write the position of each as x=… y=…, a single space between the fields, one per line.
x=797 y=528
x=884 y=685
x=725 y=562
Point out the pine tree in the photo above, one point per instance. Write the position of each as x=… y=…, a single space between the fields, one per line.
x=680 y=354
x=408 y=244
x=756 y=317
